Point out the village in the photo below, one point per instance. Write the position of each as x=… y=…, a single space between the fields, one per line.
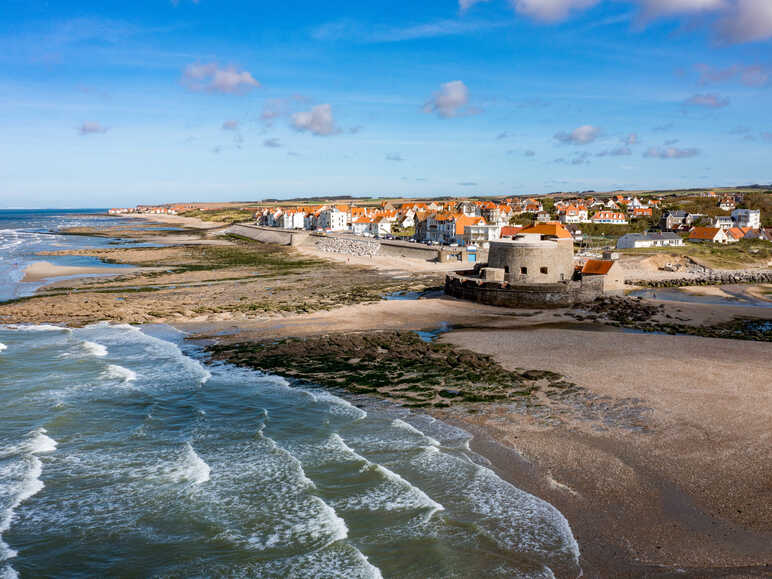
x=616 y=220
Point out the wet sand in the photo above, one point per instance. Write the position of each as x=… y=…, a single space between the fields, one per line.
x=690 y=491
x=43 y=270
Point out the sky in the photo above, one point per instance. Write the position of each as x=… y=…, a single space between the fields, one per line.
x=106 y=104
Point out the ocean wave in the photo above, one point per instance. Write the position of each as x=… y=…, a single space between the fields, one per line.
x=510 y=517
x=341 y=560
x=37 y=328
x=153 y=348
x=394 y=493
x=37 y=442
x=88 y=348
x=3 y=347
x=19 y=481
x=94 y=349
x=338 y=406
x=115 y=372
x=399 y=423
x=190 y=468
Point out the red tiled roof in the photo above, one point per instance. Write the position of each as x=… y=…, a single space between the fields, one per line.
x=549 y=229
x=704 y=233
x=597 y=267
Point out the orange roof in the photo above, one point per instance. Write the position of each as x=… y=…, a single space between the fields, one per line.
x=597 y=267
x=462 y=221
x=549 y=229
x=510 y=230
x=704 y=232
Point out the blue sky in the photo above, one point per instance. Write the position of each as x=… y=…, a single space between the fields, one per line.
x=115 y=103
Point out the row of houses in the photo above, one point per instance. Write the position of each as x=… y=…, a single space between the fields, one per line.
x=684 y=221
x=696 y=235
x=147 y=210
x=462 y=222
x=617 y=210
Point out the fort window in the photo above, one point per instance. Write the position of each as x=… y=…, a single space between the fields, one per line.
x=524 y=270
x=544 y=270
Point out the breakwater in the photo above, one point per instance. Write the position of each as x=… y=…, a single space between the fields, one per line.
x=711 y=278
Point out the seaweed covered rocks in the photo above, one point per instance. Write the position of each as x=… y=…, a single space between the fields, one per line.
x=396 y=365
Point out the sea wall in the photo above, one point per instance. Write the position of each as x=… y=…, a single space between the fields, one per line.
x=712 y=278
x=548 y=295
x=269 y=234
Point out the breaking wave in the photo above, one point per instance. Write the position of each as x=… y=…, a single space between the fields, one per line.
x=124 y=375
x=190 y=468
x=20 y=480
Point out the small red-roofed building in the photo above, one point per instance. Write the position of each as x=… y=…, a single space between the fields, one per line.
x=612 y=272
x=708 y=235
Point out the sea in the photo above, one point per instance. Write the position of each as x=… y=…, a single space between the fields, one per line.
x=123 y=452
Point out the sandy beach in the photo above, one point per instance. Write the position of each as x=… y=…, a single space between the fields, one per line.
x=691 y=491
x=43 y=270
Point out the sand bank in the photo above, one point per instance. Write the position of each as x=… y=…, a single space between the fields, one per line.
x=41 y=270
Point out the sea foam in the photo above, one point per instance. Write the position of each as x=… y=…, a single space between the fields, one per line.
x=191 y=468
x=115 y=372
x=37 y=328
x=94 y=349
x=19 y=481
x=395 y=493
x=3 y=347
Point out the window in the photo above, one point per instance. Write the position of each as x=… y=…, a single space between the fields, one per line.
x=544 y=270
x=524 y=270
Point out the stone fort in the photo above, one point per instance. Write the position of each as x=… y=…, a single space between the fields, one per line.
x=536 y=268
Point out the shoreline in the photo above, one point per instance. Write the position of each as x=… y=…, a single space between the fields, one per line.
x=560 y=448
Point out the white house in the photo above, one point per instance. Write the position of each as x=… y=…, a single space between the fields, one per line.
x=747 y=218
x=708 y=235
x=292 y=220
x=723 y=222
x=650 y=239
x=481 y=233
x=574 y=214
x=333 y=219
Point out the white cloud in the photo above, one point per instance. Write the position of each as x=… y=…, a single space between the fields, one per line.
x=465 y=5
x=318 y=121
x=551 y=10
x=735 y=21
x=580 y=136
x=711 y=101
x=747 y=21
x=670 y=153
x=230 y=126
x=273 y=143
x=631 y=139
x=212 y=78
x=450 y=101
x=658 y=8
x=92 y=128
x=394 y=157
